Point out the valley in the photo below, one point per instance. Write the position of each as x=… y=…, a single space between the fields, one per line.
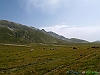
x=48 y=59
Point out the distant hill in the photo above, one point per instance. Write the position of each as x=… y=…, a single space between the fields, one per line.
x=95 y=42
x=11 y=32
x=78 y=40
x=74 y=40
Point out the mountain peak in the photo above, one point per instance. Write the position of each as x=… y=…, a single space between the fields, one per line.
x=43 y=30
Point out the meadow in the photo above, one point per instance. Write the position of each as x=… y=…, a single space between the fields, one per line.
x=48 y=59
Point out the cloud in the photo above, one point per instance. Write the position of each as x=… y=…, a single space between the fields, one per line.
x=90 y=33
x=43 y=5
x=61 y=5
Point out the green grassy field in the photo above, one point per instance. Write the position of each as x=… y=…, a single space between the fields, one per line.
x=48 y=59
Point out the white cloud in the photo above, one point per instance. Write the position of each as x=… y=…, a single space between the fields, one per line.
x=43 y=5
x=90 y=33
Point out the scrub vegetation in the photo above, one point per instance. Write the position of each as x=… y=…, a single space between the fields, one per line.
x=39 y=59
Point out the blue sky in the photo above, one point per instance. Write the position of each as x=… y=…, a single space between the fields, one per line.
x=70 y=18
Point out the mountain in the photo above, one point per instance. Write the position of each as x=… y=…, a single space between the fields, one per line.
x=95 y=42
x=11 y=32
x=74 y=40
x=57 y=36
x=78 y=40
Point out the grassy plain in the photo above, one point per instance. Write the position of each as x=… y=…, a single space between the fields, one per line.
x=48 y=59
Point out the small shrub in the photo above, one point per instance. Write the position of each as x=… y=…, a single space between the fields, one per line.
x=7 y=56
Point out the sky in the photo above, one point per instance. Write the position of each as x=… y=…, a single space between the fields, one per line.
x=70 y=18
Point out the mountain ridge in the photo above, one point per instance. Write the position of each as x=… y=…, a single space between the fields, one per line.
x=18 y=33
x=12 y=32
x=74 y=40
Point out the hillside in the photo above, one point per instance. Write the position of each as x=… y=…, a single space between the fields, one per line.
x=78 y=40
x=95 y=42
x=74 y=40
x=57 y=36
x=11 y=32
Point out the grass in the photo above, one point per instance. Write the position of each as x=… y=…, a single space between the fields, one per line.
x=43 y=60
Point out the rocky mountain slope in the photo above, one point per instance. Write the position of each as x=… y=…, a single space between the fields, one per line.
x=11 y=32
x=74 y=40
